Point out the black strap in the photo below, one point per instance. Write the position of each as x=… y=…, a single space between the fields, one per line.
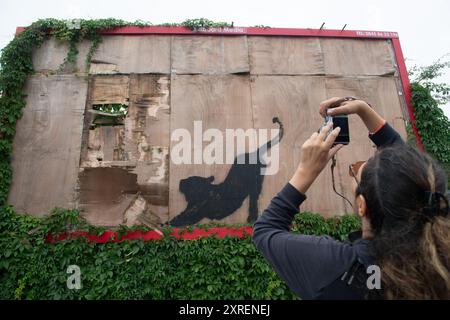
x=333 y=165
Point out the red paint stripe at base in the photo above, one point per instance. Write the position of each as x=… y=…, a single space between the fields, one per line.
x=183 y=234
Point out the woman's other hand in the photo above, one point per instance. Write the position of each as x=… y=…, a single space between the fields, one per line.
x=337 y=106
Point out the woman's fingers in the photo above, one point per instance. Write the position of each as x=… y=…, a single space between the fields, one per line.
x=332 y=137
x=348 y=107
x=324 y=105
x=338 y=106
x=339 y=110
x=334 y=150
x=324 y=131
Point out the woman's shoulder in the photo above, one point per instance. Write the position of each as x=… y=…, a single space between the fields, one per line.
x=343 y=253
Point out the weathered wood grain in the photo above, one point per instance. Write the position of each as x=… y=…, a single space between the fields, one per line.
x=220 y=102
x=50 y=56
x=47 y=144
x=357 y=57
x=133 y=54
x=209 y=55
x=285 y=56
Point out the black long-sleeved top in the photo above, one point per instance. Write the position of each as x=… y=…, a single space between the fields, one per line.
x=308 y=264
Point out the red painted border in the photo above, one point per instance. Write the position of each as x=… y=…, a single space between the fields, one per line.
x=406 y=87
x=183 y=234
x=252 y=31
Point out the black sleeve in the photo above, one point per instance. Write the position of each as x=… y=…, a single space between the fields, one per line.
x=386 y=136
x=306 y=263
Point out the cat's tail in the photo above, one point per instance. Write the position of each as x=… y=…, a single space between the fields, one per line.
x=281 y=127
x=278 y=138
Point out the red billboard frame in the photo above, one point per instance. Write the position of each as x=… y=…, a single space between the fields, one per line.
x=250 y=31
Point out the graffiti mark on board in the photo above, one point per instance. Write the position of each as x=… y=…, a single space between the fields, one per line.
x=217 y=201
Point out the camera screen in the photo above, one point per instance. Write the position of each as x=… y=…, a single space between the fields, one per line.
x=344 y=134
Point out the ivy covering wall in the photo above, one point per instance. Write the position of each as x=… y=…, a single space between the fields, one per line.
x=427 y=95
x=206 y=268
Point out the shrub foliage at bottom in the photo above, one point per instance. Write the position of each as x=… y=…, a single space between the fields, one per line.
x=207 y=268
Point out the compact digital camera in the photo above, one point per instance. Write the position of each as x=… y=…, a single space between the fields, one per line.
x=342 y=122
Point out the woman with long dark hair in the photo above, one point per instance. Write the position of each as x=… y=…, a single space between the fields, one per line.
x=400 y=196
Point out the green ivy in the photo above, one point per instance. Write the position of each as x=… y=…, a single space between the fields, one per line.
x=202 y=23
x=433 y=125
x=430 y=120
x=112 y=108
x=206 y=268
x=314 y=224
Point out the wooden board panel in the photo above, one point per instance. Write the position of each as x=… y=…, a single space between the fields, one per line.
x=295 y=100
x=134 y=54
x=47 y=144
x=285 y=55
x=106 y=193
x=357 y=57
x=220 y=102
x=51 y=54
x=381 y=93
x=209 y=54
x=110 y=89
x=148 y=126
x=151 y=94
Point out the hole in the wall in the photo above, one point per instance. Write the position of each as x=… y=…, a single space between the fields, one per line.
x=111 y=114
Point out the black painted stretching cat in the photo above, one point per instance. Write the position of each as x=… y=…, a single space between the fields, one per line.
x=217 y=201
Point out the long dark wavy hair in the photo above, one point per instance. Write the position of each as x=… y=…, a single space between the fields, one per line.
x=405 y=190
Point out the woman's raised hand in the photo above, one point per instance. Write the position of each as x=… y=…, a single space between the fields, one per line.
x=337 y=106
x=314 y=156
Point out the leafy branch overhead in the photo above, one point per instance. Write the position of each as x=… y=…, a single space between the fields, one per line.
x=431 y=122
x=426 y=76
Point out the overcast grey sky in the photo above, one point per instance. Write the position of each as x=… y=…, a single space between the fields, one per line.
x=423 y=26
